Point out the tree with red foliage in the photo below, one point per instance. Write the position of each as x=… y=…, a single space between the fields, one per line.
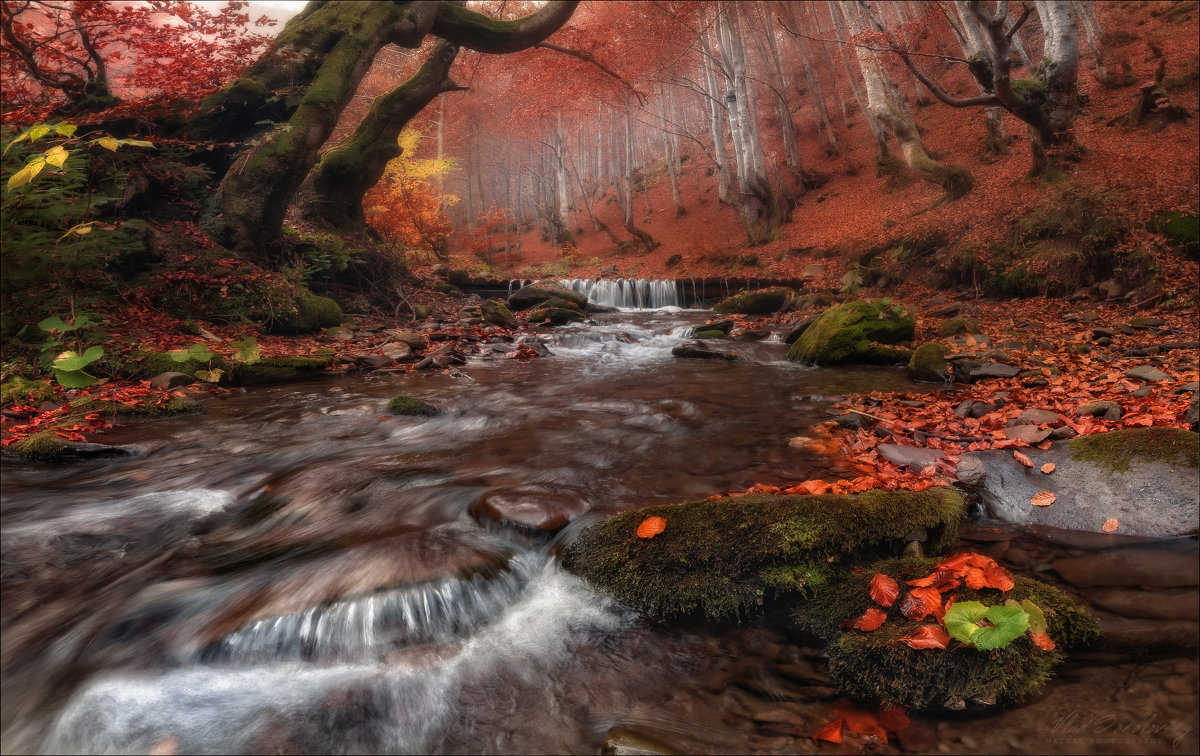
x=83 y=57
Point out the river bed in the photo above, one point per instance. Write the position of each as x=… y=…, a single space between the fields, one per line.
x=294 y=571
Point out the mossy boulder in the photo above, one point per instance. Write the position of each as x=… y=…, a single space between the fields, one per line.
x=1115 y=451
x=22 y=390
x=312 y=313
x=876 y=666
x=857 y=332
x=277 y=370
x=538 y=293
x=402 y=404
x=710 y=333
x=760 y=302
x=497 y=314
x=157 y=363
x=958 y=327
x=556 y=315
x=723 y=558
x=148 y=407
x=43 y=445
x=928 y=363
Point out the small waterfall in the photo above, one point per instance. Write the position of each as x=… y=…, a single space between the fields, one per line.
x=627 y=293
x=433 y=612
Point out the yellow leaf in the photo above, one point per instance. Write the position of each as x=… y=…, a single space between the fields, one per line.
x=57 y=155
x=26 y=174
x=108 y=143
x=38 y=131
x=65 y=129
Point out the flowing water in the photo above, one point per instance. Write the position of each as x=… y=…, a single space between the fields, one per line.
x=295 y=571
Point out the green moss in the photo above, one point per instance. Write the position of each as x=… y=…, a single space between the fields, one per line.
x=556 y=315
x=876 y=666
x=41 y=445
x=312 y=313
x=162 y=362
x=148 y=407
x=276 y=370
x=959 y=326
x=928 y=362
x=720 y=557
x=498 y=314
x=761 y=302
x=402 y=404
x=21 y=390
x=856 y=332
x=447 y=288
x=709 y=334
x=1115 y=450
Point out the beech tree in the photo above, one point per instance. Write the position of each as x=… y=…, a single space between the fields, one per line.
x=304 y=83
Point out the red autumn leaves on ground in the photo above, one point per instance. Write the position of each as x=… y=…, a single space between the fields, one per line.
x=925 y=598
x=879 y=724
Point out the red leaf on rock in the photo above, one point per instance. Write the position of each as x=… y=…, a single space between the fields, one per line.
x=997 y=577
x=1042 y=641
x=651 y=526
x=920 y=602
x=870 y=620
x=1022 y=458
x=831 y=732
x=884 y=590
x=926 y=636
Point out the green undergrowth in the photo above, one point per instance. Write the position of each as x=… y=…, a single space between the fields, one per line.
x=876 y=666
x=1115 y=450
x=723 y=558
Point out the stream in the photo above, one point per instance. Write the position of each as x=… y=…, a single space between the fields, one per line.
x=294 y=571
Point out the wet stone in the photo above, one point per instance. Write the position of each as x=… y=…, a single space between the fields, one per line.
x=1127 y=568
x=1037 y=416
x=529 y=508
x=1147 y=373
x=915 y=458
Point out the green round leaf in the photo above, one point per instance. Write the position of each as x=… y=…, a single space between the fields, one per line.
x=962 y=619
x=74 y=379
x=1009 y=623
x=70 y=361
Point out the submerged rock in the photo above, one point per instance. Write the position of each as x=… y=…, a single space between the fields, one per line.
x=928 y=363
x=857 y=332
x=724 y=557
x=1146 y=478
x=876 y=666
x=403 y=404
x=536 y=293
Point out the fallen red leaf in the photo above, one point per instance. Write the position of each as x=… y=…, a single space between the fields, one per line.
x=884 y=590
x=1043 y=499
x=1042 y=641
x=1022 y=459
x=1110 y=525
x=831 y=732
x=651 y=526
x=926 y=636
x=920 y=602
x=870 y=620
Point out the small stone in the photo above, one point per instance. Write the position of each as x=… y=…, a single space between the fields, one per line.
x=1087 y=317
x=1145 y=322
x=397 y=351
x=915 y=458
x=852 y=420
x=970 y=472
x=1142 y=392
x=994 y=370
x=964 y=408
x=340 y=332
x=979 y=409
x=1030 y=434
x=1036 y=417
x=1101 y=333
x=1062 y=432
x=376 y=360
x=1147 y=373
x=1104 y=341
x=171 y=380
x=1098 y=408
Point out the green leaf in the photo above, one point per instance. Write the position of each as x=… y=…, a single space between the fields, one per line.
x=962 y=619
x=74 y=379
x=20 y=138
x=26 y=174
x=70 y=361
x=108 y=143
x=138 y=143
x=1037 y=620
x=1009 y=623
x=55 y=323
x=38 y=131
x=65 y=129
x=212 y=376
x=198 y=352
x=248 y=350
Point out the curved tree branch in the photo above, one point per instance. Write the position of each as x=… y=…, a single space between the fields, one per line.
x=591 y=59
x=489 y=35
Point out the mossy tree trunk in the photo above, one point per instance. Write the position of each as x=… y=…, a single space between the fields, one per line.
x=307 y=79
x=346 y=172
x=1049 y=102
x=954 y=179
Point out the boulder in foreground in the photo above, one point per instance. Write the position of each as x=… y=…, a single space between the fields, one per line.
x=857 y=332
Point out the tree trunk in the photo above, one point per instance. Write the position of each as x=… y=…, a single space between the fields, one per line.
x=1091 y=27
x=955 y=180
x=321 y=56
x=646 y=239
x=347 y=171
x=878 y=131
x=716 y=126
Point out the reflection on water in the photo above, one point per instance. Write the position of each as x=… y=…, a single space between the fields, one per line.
x=295 y=571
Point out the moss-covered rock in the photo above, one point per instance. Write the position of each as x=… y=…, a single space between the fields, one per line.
x=312 y=313
x=21 y=390
x=402 y=404
x=760 y=302
x=164 y=362
x=958 y=327
x=876 y=666
x=538 y=293
x=276 y=370
x=447 y=288
x=1115 y=450
x=148 y=407
x=556 y=315
x=724 y=557
x=42 y=445
x=857 y=332
x=928 y=363
x=497 y=314
x=710 y=333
